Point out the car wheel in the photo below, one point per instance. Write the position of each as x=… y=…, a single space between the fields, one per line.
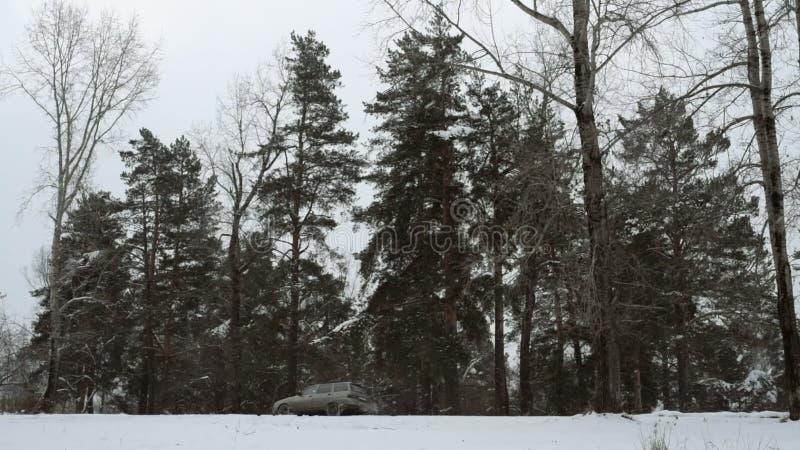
x=333 y=409
x=283 y=409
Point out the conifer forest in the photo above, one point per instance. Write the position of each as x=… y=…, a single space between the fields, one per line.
x=554 y=208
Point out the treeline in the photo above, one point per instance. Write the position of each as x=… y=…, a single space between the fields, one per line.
x=210 y=286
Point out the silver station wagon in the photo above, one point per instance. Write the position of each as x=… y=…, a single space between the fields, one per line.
x=332 y=399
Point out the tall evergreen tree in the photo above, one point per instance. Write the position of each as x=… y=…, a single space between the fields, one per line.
x=95 y=310
x=689 y=227
x=417 y=208
x=319 y=176
x=492 y=141
x=174 y=244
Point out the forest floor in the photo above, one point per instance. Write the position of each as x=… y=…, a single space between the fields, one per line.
x=734 y=431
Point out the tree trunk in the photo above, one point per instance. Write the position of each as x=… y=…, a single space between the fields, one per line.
x=608 y=397
x=666 y=392
x=46 y=403
x=425 y=390
x=235 y=384
x=451 y=378
x=147 y=387
x=294 y=315
x=637 y=376
x=581 y=396
x=684 y=364
x=148 y=370
x=292 y=360
x=682 y=350
x=168 y=397
x=88 y=401
x=501 y=406
x=526 y=327
x=797 y=24
x=166 y=394
x=759 y=70
x=558 y=357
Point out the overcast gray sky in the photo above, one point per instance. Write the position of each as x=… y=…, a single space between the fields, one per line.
x=203 y=44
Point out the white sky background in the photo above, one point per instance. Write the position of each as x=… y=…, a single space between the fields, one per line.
x=203 y=44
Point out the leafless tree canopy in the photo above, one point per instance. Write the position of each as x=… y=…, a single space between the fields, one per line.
x=245 y=144
x=85 y=74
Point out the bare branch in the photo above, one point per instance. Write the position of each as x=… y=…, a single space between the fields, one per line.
x=545 y=19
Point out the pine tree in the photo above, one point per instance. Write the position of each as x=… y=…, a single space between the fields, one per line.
x=263 y=323
x=95 y=311
x=173 y=238
x=689 y=225
x=492 y=142
x=319 y=176
x=418 y=282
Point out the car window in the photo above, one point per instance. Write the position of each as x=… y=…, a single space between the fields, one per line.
x=341 y=387
x=324 y=389
x=310 y=390
x=358 y=388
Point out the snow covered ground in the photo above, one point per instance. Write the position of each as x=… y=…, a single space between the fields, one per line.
x=757 y=431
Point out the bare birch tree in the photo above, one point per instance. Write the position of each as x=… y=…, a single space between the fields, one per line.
x=249 y=123
x=85 y=75
x=757 y=27
x=743 y=65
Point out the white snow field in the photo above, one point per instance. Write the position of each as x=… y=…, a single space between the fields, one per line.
x=755 y=431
